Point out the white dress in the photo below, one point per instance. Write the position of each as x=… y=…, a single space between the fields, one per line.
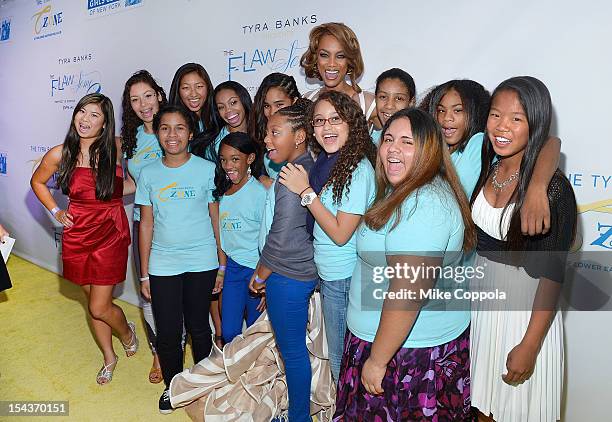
x=495 y=332
x=314 y=94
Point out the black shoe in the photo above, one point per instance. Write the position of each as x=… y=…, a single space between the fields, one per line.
x=165 y=407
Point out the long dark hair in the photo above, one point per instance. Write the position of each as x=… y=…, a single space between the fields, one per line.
x=129 y=119
x=431 y=160
x=358 y=146
x=174 y=97
x=102 y=152
x=535 y=100
x=257 y=119
x=246 y=145
x=475 y=99
x=204 y=145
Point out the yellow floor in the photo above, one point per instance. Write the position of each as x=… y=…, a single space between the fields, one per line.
x=47 y=352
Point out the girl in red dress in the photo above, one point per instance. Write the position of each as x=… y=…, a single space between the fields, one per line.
x=96 y=232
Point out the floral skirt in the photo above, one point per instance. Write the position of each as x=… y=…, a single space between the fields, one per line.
x=421 y=384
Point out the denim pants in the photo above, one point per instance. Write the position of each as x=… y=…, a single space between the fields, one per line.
x=287 y=301
x=237 y=300
x=335 y=298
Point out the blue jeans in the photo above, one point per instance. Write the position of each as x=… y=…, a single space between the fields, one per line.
x=237 y=300
x=287 y=301
x=335 y=298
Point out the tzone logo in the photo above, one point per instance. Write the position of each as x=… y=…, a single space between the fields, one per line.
x=605 y=236
x=173 y=192
x=47 y=22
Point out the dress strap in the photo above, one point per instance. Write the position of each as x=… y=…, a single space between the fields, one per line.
x=371 y=109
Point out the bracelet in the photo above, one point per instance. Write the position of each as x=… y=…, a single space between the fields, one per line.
x=222 y=268
x=144 y=278
x=259 y=280
x=300 y=195
x=55 y=211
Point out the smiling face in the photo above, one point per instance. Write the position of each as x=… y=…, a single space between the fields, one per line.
x=332 y=63
x=507 y=124
x=392 y=96
x=280 y=139
x=193 y=92
x=330 y=137
x=231 y=110
x=89 y=121
x=174 y=134
x=144 y=101
x=452 y=118
x=397 y=150
x=235 y=163
x=276 y=98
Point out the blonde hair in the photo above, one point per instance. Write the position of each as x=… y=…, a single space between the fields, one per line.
x=347 y=38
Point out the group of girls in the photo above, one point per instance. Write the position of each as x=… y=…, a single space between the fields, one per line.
x=230 y=199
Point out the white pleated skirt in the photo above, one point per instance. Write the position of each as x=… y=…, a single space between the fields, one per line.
x=494 y=333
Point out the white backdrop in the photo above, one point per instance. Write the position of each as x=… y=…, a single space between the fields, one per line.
x=52 y=52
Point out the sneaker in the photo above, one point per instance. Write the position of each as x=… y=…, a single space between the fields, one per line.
x=164 y=403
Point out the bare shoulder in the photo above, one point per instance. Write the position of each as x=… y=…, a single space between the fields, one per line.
x=54 y=155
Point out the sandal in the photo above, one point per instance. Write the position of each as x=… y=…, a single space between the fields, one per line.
x=130 y=349
x=105 y=375
x=155 y=375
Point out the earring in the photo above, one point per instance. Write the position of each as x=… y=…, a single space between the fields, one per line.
x=349 y=71
x=249 y=171
x=296 y=146
x=226 y=176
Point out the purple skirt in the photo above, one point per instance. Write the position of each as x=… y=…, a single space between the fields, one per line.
x=421 y=384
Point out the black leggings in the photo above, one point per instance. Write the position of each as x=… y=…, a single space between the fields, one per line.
x=176 y=298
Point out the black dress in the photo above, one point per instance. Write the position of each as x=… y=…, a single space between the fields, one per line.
x=5 y=281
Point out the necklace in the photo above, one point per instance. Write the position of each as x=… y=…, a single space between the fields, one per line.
x=500 y=186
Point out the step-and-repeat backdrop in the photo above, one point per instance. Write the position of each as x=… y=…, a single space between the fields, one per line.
x=53 y=52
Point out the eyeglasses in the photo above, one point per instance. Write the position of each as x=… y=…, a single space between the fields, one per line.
x=334 y=120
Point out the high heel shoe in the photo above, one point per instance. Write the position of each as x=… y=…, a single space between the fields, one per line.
x=132 y=347
x=105 y=375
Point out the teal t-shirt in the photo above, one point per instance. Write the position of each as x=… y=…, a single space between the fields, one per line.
x=338 y=262
x=468 y=163
x=431 y=223
x=376 y=136
x=147 y=150
x=183 y=237
x=222 y=134
x=240 y=217
x=272 y=168
x=268 y=215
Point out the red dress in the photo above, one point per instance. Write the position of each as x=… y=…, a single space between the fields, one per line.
x=95 y=249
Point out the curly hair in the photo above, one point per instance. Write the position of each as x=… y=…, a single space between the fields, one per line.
x=257 y=119
x=130 y=121
x=350 y=44
x=358 y=146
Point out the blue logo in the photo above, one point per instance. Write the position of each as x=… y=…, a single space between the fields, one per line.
x=47 y=22
x=3 y=167
x=5 y=31
x=92 y=4
x=68 y=88
x=266 y=59
x=96 y=8
x=605 y=236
